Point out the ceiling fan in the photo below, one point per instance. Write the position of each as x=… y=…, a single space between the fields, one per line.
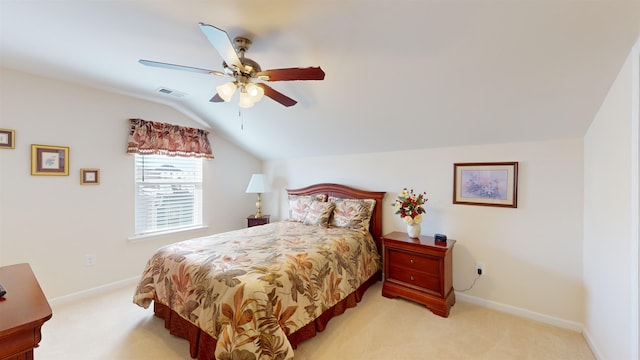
x=244 y=71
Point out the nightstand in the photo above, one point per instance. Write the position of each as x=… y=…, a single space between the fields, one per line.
x=253 y=221
x=419 y=270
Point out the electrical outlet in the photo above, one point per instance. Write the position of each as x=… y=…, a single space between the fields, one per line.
x=480 y=270
x=90 y=259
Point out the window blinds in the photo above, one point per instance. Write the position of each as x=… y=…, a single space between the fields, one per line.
x=168 y=193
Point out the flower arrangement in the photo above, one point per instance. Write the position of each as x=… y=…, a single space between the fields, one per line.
x=410 y=206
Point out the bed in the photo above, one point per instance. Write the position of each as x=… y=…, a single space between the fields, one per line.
x=256 y=293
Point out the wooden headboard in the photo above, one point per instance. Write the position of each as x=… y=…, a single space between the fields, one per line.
x=343 y=191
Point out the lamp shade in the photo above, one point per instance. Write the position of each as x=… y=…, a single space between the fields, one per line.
x=256 y=184
x=255 y=92
x=226 y=90
x=245 y=100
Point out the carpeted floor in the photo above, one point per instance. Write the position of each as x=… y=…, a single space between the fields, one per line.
x=111 y=327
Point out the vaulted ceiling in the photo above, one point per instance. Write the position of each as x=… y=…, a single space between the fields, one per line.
x=400 y=75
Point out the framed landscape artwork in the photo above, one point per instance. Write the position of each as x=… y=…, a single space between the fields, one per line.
x=49 y=160
x=487 y=184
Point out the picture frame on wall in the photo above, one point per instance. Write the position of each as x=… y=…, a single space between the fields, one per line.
x=486 y=184
x=89 y=176
x=7 y=139
x=49 y=160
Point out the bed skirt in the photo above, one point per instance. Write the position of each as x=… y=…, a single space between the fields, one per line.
x=202 y=346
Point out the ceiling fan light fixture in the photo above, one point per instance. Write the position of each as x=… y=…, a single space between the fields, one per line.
x=255 y=92
x=227 y=90
x=246 y=101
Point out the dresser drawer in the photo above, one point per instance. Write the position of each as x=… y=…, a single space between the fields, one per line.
x=418 y=262
x=415 y=278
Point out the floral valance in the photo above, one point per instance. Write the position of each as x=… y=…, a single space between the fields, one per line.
x=150 y=137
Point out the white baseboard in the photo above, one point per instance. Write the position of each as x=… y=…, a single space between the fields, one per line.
x=527 y=314
x=93 y=291
x=592 y=345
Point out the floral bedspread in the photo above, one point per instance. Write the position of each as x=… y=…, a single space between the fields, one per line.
x=250 y=288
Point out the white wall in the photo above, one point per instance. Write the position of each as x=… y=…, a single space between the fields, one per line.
x=532 y=254
x=52 y=222
x=610 y=264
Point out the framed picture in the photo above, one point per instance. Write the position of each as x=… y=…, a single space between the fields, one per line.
x=89 y=176
x=49 y=160
x=488 y=184
x=7 y=139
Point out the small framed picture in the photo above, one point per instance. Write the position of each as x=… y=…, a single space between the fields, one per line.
x=49 y=160
x=487 y=184
x=7 y=139
x=89 y=176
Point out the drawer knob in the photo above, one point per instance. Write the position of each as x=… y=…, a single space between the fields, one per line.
x=412 y=278
x=411 y=261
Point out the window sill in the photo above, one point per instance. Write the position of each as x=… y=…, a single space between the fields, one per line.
x=156 y=234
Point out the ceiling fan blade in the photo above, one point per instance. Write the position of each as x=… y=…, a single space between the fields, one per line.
x=310 y=73
x=222 y=43
x=277 y=96
x=181 y=68
x=216 y=98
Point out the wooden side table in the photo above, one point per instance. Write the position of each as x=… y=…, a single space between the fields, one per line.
x=420 y=270
x=23 y=310
x=253 y=221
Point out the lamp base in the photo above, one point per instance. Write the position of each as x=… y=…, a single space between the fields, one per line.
x=259 y=206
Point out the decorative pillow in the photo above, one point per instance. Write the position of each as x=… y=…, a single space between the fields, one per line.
x=319 y=213
x=299 y=205
x=352 y=213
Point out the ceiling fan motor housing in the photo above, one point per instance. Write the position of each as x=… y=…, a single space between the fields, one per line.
x=251 y=68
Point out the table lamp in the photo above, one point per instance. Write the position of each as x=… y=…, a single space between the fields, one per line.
x=256 y=186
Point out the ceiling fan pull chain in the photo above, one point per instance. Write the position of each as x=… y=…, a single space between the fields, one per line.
x=241 y=119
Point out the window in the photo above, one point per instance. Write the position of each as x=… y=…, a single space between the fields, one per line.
x=168 y=193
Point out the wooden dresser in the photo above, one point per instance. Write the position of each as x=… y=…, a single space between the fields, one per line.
x=420 y=270
x=23 y=310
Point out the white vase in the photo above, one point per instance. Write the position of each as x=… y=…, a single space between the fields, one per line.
x=414 y=230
